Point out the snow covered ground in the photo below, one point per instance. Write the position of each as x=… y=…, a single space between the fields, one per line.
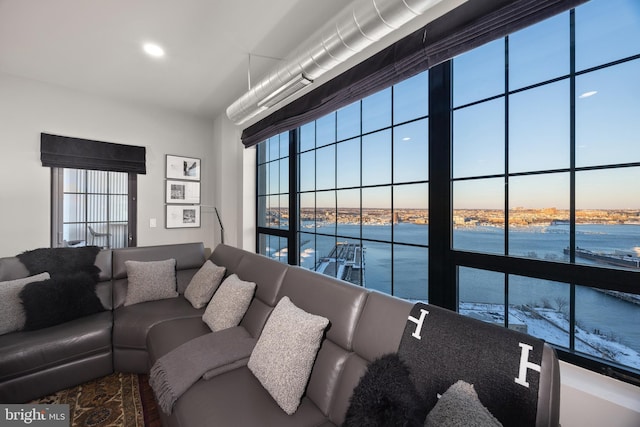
x=553 y=326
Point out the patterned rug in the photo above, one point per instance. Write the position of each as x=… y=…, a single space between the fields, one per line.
x=117 y=400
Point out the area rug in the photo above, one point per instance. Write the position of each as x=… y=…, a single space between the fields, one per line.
x=117 y=400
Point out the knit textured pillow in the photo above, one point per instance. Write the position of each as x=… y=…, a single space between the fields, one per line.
x=229 y=304
x=285 y=352
x=12 y=314
x=460 y=406
x=204 y=284
x=150 y=280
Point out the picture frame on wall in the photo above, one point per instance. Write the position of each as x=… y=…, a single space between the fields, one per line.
x=182 y=192
x=180 y=167
x=182 y=216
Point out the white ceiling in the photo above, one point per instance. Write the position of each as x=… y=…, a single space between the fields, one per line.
x=95 y=46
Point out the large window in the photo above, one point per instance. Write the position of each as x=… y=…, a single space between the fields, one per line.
x=541 y=154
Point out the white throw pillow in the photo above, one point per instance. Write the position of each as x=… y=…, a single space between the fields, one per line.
x=204 y=284
x=229 y=304
x=285 y=352
x=150 y=280
x=12 y=315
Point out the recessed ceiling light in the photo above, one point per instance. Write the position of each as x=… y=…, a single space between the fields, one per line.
x=153 y=50
x=406 y=138
x=588 y=94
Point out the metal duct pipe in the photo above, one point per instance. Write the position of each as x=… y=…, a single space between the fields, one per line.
x=355 y=28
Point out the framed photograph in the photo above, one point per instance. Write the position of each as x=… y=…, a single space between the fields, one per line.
x=179 y=167
x=183 y=216
x=183 y=192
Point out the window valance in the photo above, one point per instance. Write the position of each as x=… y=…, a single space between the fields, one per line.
x=77 y=153
x=471 y=25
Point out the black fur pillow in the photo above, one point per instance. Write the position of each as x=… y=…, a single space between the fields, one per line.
x=385 y=396
x=60 y=262
x=59 y=300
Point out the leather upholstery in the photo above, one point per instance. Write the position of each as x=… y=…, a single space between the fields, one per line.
x=30 y=359
x=36 y=363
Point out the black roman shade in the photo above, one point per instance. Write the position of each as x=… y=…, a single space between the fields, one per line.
x=471 y=25
x=76 y=153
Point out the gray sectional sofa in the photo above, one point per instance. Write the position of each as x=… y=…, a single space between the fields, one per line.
x=363 y=326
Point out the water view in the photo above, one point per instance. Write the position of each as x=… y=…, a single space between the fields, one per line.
x=607 y=325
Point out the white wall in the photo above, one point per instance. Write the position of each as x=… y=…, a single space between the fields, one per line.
x=588 y=399
x=28 y=108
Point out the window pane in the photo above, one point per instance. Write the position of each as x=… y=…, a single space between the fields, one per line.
x=411 y=98
x=284 y=175
x=326 y=171
x=307 y=168
x=97 y=182
x=96 y=208
x=307 y=252
x=74 y=234
x=274 y=177
x=326 y=130
x=283 y=220
x=481 y=295
x=307 y=211
x=262 y=150
x=378 y=266
x=118 y=208
x=607 y=218
x=538 y=216
x=411 y=272
x=74 y=181
x=411 y=152
x=479 y=74
x=348 y=212
x=376 y=213
x=607 y=111
x=348 y=173
x=273 y=215
x=539 y=128
x=325 y=246
x=273 y=152
x=348 y=121
x=307 y=137
x=606 y=30
x=326 y=212
x=376 y=158
x=478 y=139
x=607 y=326
x=118 y=183
x=540 y=52
x=74 y=208
x=478 y=215
x=540 y=308
x=411 y=214
x=284 y=145
x=376 y=111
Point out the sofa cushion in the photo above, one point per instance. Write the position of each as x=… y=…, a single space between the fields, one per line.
x=460 y=406
x=385 y=396
x=204 y=284
x=229 y=303
x=236 y=398
x=26 y=353
x=59 y=300
x=12 y=316
x=132 y=323
x=150 y=281
x=284 y=354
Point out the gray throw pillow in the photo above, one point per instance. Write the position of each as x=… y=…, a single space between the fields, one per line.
x=150 y=280
x=229 y=304
x=285 y=352
x=460 y=406
x=12 y=315
x=204 y=284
